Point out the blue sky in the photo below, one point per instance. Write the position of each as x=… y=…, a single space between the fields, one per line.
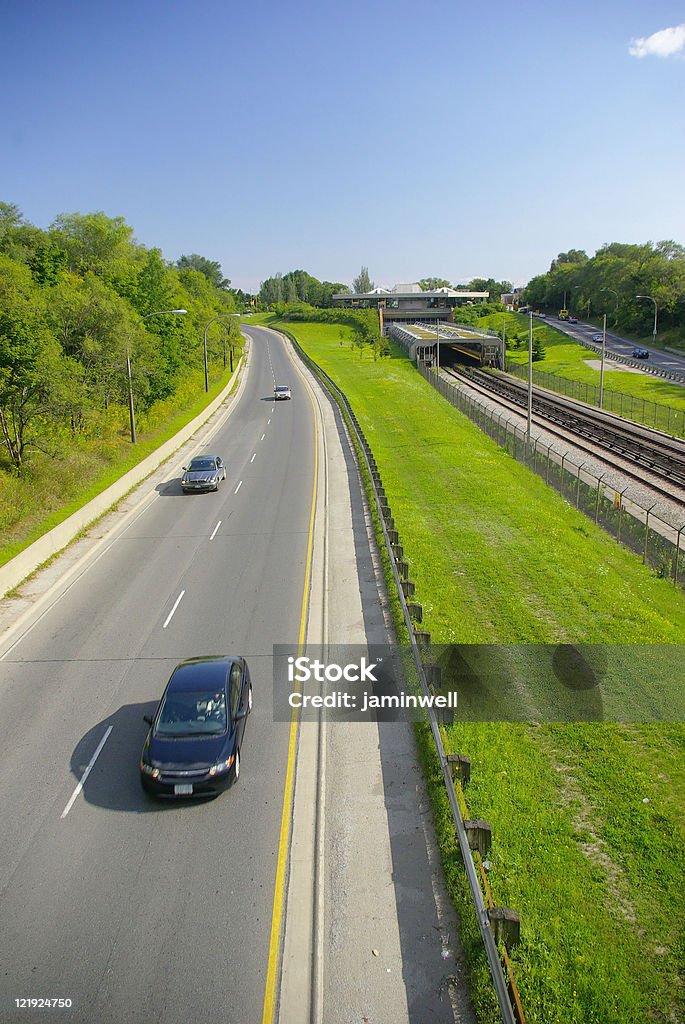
x=417 y=139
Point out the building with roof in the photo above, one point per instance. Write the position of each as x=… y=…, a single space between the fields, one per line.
x=407 y=303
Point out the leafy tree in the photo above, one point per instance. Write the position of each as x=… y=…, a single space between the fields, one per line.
x=577 y=256
x=429 y=284
x=37 y=383
x=210 y=268
x=494 y=288
x=363 y=282
x=93 y=241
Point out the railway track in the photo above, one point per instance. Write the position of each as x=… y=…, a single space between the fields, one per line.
x=662 y=455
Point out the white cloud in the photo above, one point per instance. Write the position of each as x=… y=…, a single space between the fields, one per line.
x=666 y=43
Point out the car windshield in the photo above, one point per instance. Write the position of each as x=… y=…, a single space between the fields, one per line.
x=192 y=714
x=201 y=464
x=283 y=387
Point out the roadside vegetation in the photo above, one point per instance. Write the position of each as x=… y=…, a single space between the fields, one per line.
x=75 y=300
x=611 y=281
x=587 y=818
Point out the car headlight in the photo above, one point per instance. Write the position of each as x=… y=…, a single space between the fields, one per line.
x=148 y=769
x=222 y=766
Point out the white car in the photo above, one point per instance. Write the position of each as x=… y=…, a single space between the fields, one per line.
x=281 y=391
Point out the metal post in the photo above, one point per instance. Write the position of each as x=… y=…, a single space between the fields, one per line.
x=601 y=365
x=656 y=313
x=578 y=485
x=158 y=312
x=131 y=413
x=677 y=554
x=204 y=352
x=437 y=346
x=530 y=378
x=599 y=484
x=644 y=553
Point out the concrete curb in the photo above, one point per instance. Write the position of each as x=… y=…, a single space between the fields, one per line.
x=31 y=558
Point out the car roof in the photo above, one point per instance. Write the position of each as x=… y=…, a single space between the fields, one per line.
x=206 y=673
x=282 y=387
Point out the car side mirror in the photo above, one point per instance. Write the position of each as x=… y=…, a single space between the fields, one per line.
x=146 y=718
x=241 y=714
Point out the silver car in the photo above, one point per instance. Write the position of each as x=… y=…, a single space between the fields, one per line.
x=204 y=473
x=281 y=391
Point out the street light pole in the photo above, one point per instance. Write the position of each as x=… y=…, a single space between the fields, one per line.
x=614 y=293
x=131 y=412
x=530 y=381
x=204 y=345
x=656 y=311
x=601 y=365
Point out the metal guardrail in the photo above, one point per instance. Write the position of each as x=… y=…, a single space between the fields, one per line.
x=656 y=371
x=483 y=913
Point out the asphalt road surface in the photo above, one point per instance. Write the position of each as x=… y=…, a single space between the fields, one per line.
x=136 y=910
x=614 y=343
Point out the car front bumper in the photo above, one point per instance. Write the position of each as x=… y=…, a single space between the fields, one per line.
x=166 y=786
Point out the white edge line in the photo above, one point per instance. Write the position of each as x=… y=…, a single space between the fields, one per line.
x=79 y=785
x=214 y=530
x=176 y=604
x=238 y=487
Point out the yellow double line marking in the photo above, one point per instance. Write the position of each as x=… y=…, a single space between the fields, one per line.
x=284 y=839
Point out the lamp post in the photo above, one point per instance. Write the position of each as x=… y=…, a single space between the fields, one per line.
x=204 y=346
x=601 y=365
x=132 y=417
x=530 y=381
x=656 y=313
x=615 y=294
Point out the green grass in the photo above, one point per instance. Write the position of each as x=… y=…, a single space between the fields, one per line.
x=568 y=360
x=499 y=558
x=55 y=488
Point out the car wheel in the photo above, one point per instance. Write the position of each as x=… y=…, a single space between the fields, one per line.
x=236 y=766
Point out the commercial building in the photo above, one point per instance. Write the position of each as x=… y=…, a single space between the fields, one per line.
x=407 y=303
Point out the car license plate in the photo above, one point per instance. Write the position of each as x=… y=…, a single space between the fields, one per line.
x=183 y=789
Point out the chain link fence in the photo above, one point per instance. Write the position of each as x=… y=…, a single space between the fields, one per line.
x=622 y=513
x=642 y=410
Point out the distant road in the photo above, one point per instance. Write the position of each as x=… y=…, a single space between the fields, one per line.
x=621 y=346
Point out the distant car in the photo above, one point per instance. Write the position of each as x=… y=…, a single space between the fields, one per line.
x=598 y=338
x=640 y=353
x=572 y=319
x=204 y=473
x=196 y=734
x=543 y=316
x=281 y=391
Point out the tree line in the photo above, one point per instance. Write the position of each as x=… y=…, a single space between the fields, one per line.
x=611 y=281
x=72 y=302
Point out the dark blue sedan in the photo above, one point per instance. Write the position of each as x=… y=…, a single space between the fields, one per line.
x=193 y=746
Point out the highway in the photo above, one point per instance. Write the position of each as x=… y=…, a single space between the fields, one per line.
x=131 y=909
x=614 y=343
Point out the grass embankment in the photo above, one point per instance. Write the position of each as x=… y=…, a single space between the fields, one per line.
x=569 y=360
x=594 y=869
x=53 y=488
